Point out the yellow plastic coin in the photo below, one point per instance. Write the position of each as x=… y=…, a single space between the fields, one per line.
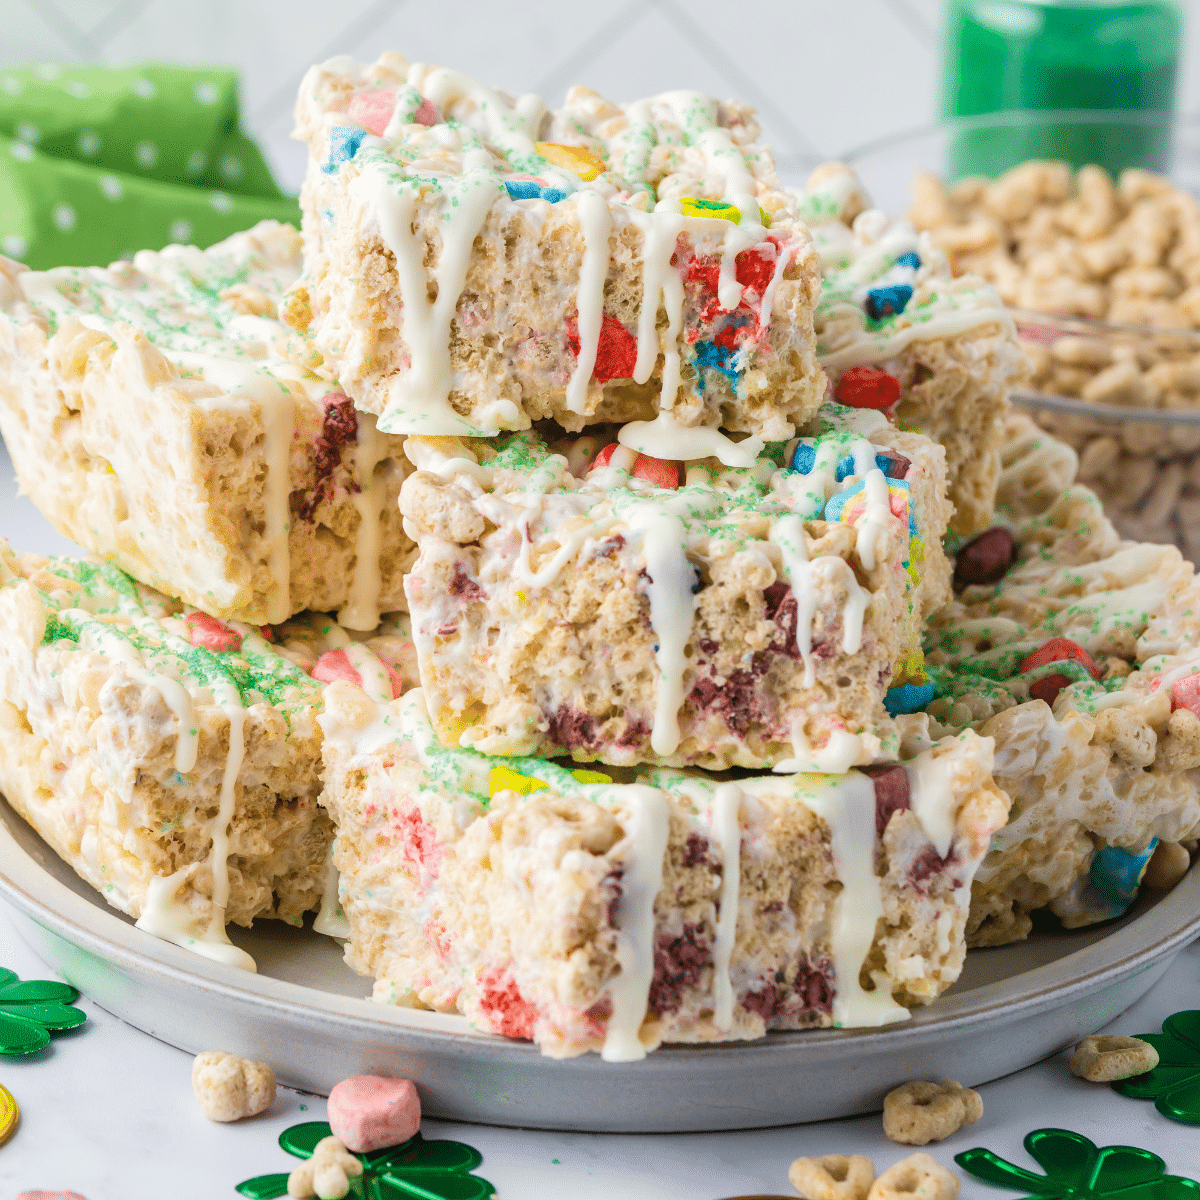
x=502 y=778
x=10 y=1114
x=583 y=162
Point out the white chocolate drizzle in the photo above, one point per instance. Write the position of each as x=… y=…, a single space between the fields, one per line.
x=331 y=919
x=930 y=779
x=361 y=610
x=596 y=224
x=645 y=840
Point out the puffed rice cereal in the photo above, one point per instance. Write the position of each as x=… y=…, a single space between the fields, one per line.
x=327 y=1174
x=917 y=1177
x=921 y=1112
x=833 y=1177
x=1104 y=1058
x=230 y=1088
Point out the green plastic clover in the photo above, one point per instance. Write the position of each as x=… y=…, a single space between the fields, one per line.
x=33 y=1010
x=420 y=1169
x=1174 y=1085
x=1076 y=1169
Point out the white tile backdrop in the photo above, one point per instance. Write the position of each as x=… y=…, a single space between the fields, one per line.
x=826 y=75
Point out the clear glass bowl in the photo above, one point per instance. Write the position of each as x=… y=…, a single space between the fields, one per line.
x=1126 y=397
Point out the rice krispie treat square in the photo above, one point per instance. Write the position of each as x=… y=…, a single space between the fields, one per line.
x=152 y=418
x=945 y=345
x=172 y=759
x=587 y=913
x=577 y=598
x=475 y=262
x=1079 y=660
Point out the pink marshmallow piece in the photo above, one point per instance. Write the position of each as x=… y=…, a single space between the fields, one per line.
x=370 y=1112
x=427 y=114
x=210 y=634
x=335 y=664
x=372 y=109
x=38 y=1194
x=1185 y=693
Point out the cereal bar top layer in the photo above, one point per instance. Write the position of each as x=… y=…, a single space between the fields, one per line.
x=599 y=263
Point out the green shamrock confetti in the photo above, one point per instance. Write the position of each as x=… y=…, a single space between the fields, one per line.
x=1076 y=1169
x=416 y=1169
x=1174 y=1085
x=31 y=1011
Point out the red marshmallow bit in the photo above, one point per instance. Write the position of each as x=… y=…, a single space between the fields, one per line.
x=371 y=1112
x=210 y=634
x=1060 y=649
x=616 y=349
x=335 y=664
x=1185 y=693
x=867 y=387
x=1048 y=687
x=662 y=472
x=372 y=109
x=427 y=114
x=755 y=270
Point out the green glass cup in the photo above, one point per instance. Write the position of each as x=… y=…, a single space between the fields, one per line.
x=1005 y=56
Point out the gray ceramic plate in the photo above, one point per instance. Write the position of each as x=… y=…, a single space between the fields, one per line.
x=305 y=1014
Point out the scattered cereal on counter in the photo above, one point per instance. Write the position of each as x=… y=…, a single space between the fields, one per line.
x=920 y=1112
x=867 y=387
x=833 y=1177
x=917 y=1177
x=327 y=1174
x=1105 y=1058
x=229 y=1088
x=369 y=1112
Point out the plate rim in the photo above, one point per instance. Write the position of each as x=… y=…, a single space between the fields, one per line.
x=1170 y=923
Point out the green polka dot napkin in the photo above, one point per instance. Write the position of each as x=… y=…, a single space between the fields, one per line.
x=96 y=163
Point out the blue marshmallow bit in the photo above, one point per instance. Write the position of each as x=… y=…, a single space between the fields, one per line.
x=533 y=189
x=344 y=141
x=909 y=698
x=889 y=300
x=911 y=259
x=804 y=459
x=1116 y=874
x=892 y=467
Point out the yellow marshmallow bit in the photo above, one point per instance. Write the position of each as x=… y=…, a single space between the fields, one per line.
x=720 y=210
x=592 y=776
x=582 y=162
x=505 y=778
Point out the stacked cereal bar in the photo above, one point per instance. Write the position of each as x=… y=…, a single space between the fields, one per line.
x=173 y=760
x=589 y=914
x=1075 y=652
x=150 y=414
x=572 y=603
x=894 y=324
x=475 y=262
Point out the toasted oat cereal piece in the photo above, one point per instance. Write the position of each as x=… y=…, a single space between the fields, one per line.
x=889 y=300
x=1104 y=1058
x=918 y=1113
x=589 y=910
x=327 y=1174
x=1098 y=761
x=715 y=624
x=917 y=1177
x=474 y=264
x=152 y=419
x=833 y=1177
x=229 y=1088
